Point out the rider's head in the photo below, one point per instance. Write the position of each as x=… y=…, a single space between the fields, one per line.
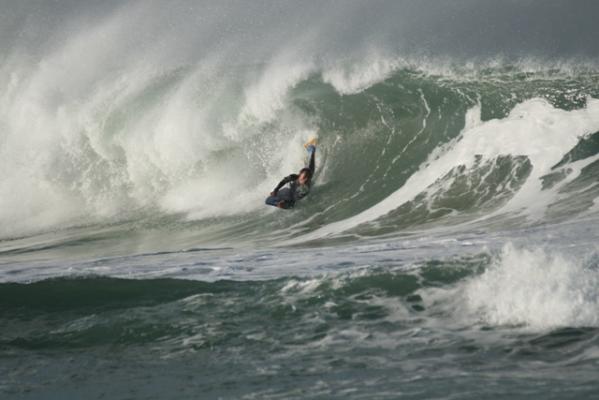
x=305 y=175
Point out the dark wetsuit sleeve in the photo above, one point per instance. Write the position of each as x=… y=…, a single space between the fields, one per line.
x=312 y=165
x=285 y=180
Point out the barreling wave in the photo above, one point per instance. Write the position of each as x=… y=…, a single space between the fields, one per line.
x=399 y=149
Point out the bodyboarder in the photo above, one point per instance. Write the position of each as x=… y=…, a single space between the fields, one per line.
x=297 y=186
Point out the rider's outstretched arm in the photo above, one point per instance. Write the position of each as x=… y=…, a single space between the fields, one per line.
x=312 y=164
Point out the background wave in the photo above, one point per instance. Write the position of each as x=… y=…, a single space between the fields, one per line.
x=532 y=290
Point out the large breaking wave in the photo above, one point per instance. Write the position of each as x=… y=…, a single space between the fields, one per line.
x=414 y=148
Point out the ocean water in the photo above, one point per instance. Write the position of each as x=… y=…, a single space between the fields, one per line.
x=448 y=249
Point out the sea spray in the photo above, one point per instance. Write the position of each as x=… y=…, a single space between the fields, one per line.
x=536 y=288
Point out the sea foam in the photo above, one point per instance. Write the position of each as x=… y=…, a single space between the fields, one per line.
x=537 y=288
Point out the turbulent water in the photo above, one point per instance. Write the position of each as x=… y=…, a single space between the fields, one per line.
x=447 y=250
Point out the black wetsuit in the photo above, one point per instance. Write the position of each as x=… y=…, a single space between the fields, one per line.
x=286 y=197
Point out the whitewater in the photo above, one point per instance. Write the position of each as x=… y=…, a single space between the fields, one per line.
x=447 y=250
